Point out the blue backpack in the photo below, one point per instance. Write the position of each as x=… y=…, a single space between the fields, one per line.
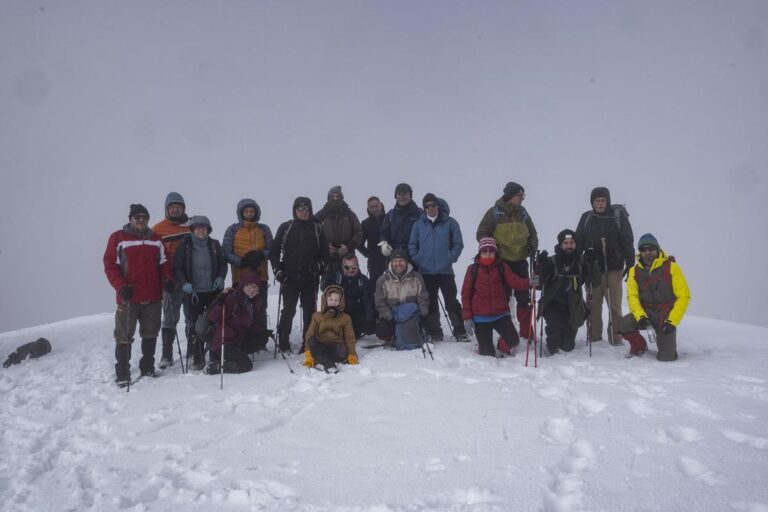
x=407 y=327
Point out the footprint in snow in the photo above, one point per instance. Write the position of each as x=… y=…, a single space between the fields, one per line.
x=557 y=430
x=760 y=443
x=677 y=434
x=641 y=407
x=700 y=409
x=695 y=470
x=432 y=465
x=586 y=406
x=745 y=378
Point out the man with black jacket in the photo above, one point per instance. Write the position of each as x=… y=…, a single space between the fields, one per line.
x=606 y=236
x=297 y=261
x=377 y=262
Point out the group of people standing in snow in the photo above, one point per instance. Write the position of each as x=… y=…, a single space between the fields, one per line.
x=410 y=252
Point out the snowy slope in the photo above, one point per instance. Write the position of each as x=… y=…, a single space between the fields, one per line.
x=397 y=432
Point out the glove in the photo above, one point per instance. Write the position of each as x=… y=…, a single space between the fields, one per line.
x=351 y=359
x=469 y=326
x=386 y=249
x=126 y=292
x=251 y=259
x=629 y=265
x=316 y=267
x=281 y=277
x=668 y=328
x=309 y=361
x=187 y=288
x=218 y=284
x=169 y=286
x=643 y=323
x=590 y=256
x=542 y=258
x=533 y=281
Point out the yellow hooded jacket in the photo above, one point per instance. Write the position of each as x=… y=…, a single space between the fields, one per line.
x=679 y=296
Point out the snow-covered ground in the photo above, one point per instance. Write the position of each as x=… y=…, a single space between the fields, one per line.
x=397 y=432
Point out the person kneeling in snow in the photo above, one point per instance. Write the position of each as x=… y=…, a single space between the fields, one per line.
x=658 y=296
x=330 y=338
x=485 y=299
x=245 y=326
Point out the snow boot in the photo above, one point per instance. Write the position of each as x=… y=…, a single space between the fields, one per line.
x=147 y=361
x=637 y=344
x=524 y=318
x=503 y=346
x=166 y=360
x=463 y=338
x=123 y=366
x=283 y=343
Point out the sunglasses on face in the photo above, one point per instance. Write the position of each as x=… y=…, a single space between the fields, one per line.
x=351 y=267
x=647 y=248
x=141 y=216
x=302 y=208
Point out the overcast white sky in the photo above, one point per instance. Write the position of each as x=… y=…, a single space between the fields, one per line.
x=106 y=103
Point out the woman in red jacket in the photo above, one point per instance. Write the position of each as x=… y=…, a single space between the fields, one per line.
x=485 y=298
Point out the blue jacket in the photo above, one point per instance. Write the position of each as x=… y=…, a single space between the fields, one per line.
x=435 y=247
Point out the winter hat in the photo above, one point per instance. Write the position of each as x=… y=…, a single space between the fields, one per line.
x=648 y=239
x=565 y=234
x=336 y=190
x=511 y=190
x=429 y=198
x=173 y=197
x=600 y=192
x=248 y=277
x=302 y=201
x=137 y=209
x=245 y=203
x=399 y=253
x=488 y=243
x=403 y=188
x=200 y=220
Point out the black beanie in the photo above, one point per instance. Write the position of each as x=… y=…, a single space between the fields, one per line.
x=399 y=253
x=565 y=234
x=137 y=209
x=429 y=198
x=600 y=192
x=403 y=188
x=511 y=190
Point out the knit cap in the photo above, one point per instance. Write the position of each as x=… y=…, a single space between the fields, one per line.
x=138 y=209
x=488 y=244
x=648 y=239
x=336 y=190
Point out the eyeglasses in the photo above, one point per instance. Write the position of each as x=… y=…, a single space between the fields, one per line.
x=429 y=205
x=647 y=248
x=351 y=267
x=141 y=216
x=302 y=208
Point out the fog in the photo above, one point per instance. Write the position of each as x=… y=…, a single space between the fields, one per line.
x=107 y=103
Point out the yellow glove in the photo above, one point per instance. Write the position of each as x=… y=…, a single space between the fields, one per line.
x=309 y=361
x=351 y=359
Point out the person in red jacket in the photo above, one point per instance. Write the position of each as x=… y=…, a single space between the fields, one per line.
x=138 y=268
x=485 y=298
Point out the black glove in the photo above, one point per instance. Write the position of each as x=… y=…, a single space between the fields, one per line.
x=281 y=277
x=542 y=258
x=169 y=286
x=252 y=259
x=643 y=323
x=668 y=328
x=316 y=267
x=590 y=256
x=126 y=292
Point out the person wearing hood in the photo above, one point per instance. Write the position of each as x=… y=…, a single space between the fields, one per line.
x=401 y=298
x=200 y=269
x=137 y=267
x=509 y=223
x=562 y=301
x=369 y=247
x=398 y=222
x=172 y=230
x=247 y=243
x=485 y=292
x=342 y=230
x=605 y=231
x=658 y=296
x=244 y=328
x=330 y=338
x=296 y=256
x=435 y=245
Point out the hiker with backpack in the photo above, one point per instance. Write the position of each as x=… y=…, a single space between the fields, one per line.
x=402 y=302
x=485 y=293
x=377 y=262
x=435 y=245
x=398 y=222
x=296 y=256
x=358 y=295
x=509 y=223
x=342 y=230
x=562 y=301
x=658 y=295
x=605 y=234
x=200 y=269
x=244 y=331
x=330 y=338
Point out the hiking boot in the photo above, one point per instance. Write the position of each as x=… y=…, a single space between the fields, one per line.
x=436 y=337
x=502 y=346
x=463 y=338
x=148 y=372
x=165 y=362
x=122 y=381
x=213 y=368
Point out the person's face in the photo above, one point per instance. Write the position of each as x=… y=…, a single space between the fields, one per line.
x=399 y=265
x=487 y=253
x=333 y=300
x=335 y=196
x=200 y=231
x=351 y=267
x=431 y=208
x=568 y=245
x=403 y=198
x=375 y=207
x=251 y=290
x=175 y=210
x=302 y=212
x=517 y=199
x=648 y=253
x=600 y=204
x=139 y=222
x=249 y=213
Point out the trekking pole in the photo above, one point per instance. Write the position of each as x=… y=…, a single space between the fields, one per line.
x=283 y=355
x=426 y=348
x=589 y=317
x=127 y=345
x=221 y=362
x=608 y=290
x=445 y=314
x=541 y=336
x=181 y=358
x=279 y=310
x=532 y=324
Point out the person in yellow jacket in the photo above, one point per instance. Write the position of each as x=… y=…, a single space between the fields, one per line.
x=330 y=338
x=658 y=296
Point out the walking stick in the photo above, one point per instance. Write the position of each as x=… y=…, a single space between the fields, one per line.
x=532 y=324
x=181 y=358
x=279 y=311
x=127 y=345
x=221 y=362
x=445 y=314
x=608 y=290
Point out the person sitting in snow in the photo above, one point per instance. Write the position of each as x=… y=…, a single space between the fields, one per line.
x=485 y=299
x=358 y=295
x=658 y=296
x=244 y=328
x=330 y=338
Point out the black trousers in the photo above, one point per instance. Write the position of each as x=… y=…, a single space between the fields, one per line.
x=560 y=333
x=196 y=308
x=445 y=284
x=292 y=293
x=523 y=297
x=327 y=353
x=484 y=334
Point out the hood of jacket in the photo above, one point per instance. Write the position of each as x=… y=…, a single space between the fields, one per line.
x=302 y=200
x=334 y=288
x=242 y=204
